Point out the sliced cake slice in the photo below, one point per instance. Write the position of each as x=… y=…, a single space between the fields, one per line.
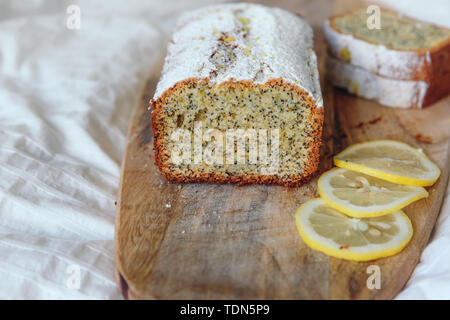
x=239 y=99
x=389 y=92
x=403 y=48
x=405 y=63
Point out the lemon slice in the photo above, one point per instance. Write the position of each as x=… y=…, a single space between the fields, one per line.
x=360 y=196
x=389 y=160
x=335 y=234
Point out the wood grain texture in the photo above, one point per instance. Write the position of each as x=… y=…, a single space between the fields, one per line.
x=206 y=241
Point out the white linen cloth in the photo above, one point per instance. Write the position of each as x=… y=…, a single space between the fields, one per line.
x=66 y=98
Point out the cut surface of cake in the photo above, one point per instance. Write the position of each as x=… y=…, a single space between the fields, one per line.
x=239 y=99
x=396 y=31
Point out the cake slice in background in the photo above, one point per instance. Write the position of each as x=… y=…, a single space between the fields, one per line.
x=387 y=91
x=403 y=49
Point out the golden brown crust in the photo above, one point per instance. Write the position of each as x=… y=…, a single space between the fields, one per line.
x=161 y=154
x=439 y=57
x=439 y=88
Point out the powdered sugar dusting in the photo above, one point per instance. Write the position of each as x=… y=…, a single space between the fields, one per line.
x=242 y=42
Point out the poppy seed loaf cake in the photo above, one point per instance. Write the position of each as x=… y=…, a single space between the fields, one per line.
x=239 y=99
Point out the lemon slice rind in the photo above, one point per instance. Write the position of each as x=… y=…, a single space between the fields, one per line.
x=430 y=179
x=325 y=192
x=331 y=248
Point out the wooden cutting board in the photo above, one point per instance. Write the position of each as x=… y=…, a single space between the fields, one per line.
x=208 y=241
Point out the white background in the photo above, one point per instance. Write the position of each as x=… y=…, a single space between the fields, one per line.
x=65 y=103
